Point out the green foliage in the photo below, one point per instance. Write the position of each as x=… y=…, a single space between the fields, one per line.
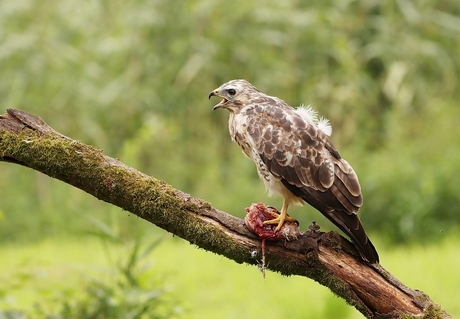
x=125 y=295
x=132 y=77
x=125 y=290
x=411 y=192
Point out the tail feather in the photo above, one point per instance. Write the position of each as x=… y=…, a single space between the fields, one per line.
x=344 y=218
x=350 y=224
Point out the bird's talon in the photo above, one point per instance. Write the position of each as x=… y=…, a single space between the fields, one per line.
x=274 y=214
x=279 y=220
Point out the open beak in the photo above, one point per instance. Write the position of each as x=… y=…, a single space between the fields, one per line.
x=216 y=93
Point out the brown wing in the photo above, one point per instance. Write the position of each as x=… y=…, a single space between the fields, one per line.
x=305 y=161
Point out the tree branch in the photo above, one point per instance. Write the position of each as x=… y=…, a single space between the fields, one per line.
x=327 y=258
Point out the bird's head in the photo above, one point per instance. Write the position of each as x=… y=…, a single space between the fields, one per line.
x=235 y=95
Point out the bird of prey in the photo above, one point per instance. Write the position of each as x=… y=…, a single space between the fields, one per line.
x=295 y=158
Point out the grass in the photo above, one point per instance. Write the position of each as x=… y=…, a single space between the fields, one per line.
x=207 y=285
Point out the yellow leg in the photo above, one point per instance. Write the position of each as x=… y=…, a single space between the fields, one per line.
x=280 y=218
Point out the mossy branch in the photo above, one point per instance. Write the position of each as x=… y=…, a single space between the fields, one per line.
x=327 y=258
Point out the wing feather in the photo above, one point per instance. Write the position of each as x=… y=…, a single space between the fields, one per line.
x=292 y=149
x=303 y=158
x=347 y=176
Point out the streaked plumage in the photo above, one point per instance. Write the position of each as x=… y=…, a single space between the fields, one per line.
x=295 y=157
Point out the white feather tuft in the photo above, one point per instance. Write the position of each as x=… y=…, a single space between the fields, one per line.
x=307 y=113
x=324 y=125
x=311 y=116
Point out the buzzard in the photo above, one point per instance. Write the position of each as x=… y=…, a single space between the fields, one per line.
x=295 y=158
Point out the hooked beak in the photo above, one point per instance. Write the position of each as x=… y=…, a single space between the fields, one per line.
x=216 y=93
x=213 y=93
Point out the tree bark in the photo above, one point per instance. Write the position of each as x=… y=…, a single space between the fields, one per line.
x=327 y=258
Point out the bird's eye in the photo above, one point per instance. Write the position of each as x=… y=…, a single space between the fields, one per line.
x=231 y=92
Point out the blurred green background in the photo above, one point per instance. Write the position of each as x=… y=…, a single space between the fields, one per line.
x=132 y=78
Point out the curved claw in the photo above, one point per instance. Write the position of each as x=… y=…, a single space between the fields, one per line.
x=279 y=220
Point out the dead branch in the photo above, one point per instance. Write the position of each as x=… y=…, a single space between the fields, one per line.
x=327 y=258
